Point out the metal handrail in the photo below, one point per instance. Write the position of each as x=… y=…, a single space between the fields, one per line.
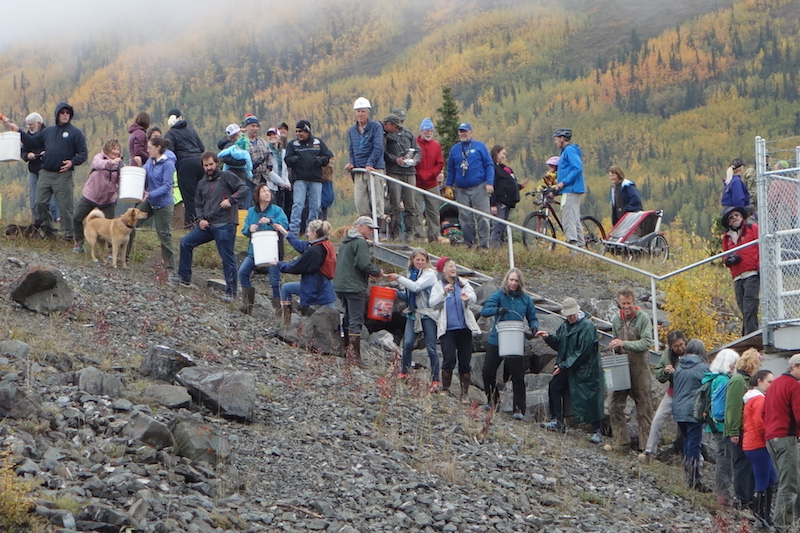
x=509 y=225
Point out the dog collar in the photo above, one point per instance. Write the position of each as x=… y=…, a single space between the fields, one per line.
x=128 y=225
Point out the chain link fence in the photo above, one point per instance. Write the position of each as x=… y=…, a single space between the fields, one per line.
x=778 y=195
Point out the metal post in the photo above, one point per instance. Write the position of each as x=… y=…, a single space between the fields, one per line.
x=375 y=232
x=655 y=313
x=510 y=247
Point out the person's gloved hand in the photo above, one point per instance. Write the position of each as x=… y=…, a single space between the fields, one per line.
x=448 y=193
x=501 y=311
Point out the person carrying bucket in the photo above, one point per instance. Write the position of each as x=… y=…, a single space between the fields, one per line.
x=456 y=324
x=263 y=216
x=509 y=305
x=420 y=316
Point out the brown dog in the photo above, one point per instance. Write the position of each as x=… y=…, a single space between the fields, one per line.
x=98 y=230
x=340 y=233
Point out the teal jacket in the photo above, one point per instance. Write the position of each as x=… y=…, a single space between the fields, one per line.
x=275 y=215
x=519 y=306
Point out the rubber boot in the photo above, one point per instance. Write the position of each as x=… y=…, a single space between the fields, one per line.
x=768 y=506
x=286 y=307
x=759 y=511
x=248 y=299
x=276 y=304
x=464 y=398
x=355 y=344
x=447 y=378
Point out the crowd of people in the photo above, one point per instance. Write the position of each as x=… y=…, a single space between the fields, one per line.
x=286 y=187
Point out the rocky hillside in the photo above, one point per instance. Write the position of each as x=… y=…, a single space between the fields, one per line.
x=300 y=442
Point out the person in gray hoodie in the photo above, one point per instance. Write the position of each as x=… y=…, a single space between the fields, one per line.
x=688 y=378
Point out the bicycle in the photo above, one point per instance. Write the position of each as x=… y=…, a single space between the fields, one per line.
x=539 y=221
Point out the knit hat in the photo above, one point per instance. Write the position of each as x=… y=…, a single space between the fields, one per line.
x=250 y=119
x=427 y=124
x=783 y=164
x=569 y=307
x=232 y=130
x=303 y=125
x=174 y=111
x=441 y=262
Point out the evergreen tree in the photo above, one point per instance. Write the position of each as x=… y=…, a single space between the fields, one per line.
x=447 y=126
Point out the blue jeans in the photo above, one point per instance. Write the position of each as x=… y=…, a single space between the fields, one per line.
x=498 y=229
x=247 y=201
x=224 y=236
x=246 y=270
x=305 y=190
x=410 y=337
x=692 y=435
x=34 y=179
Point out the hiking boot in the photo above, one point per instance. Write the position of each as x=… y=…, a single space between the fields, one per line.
x=78 y=249
x=227 y=297
x=554 y=425
x=645 y=457
x=596 y=438
x=518 y=415
x=355 y=344
x=178 y=281
x=435 y=386
x=464 y=378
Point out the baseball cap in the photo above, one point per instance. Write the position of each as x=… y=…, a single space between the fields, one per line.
x=391 y=118
x=465 y=126
x=232 y=130
x=365 y=221
x=273 y=130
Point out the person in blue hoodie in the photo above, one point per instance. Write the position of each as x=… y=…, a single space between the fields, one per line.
x=64 y=148
x=510 y=302
x=470 y=181
x=235 y=158
x=625 y=196
x=263 y=216
x=571 y=185
x=157 y=203
x=734 y=190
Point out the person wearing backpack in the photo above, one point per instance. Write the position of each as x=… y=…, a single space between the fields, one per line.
x=755 y=447
x=688 y=379
x=743 y=483
x=316 y=266
x=664 y=371
x=718 y=375
x=420 y=316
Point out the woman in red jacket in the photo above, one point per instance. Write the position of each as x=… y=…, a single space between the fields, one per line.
x=755 y=447
x=744 y=264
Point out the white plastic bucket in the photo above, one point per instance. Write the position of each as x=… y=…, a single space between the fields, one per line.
x=131 y=184
x=511 y=338
x=9 y=146
x=265 y=247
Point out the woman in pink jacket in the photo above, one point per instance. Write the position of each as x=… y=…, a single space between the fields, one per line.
x=101 y=188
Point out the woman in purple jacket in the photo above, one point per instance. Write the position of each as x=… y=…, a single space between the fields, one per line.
x=100 y=189
x=157 y=202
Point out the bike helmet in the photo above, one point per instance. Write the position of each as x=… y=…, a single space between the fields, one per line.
x=553 y=161
x=563 y=132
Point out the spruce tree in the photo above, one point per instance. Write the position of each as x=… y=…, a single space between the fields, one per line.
x=447 y=126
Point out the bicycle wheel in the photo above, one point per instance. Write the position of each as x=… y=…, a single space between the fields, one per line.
x=593 y=234
x=659 y=249
x=540 y=224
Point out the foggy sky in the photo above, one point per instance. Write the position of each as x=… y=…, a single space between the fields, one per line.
x=25 y=21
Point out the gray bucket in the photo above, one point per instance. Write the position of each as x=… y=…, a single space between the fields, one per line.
x=511 y=338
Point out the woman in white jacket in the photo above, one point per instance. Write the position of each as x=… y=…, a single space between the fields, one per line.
x=420 y=317
x=456 y=324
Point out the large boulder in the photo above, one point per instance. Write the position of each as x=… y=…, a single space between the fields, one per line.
x=319 y=333
x=15 y=403
x=43 y=290
x=164 y=363
x=171 y=396
x=229 y=394
x=15 y=348
x=149 y=431
x=198 y=441
x=96 y=381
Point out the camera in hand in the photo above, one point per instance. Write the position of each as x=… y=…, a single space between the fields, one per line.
x=732 y=259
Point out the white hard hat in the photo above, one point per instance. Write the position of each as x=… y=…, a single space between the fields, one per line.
x=361 y=103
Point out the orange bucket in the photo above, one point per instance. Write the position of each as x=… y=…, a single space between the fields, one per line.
x=381 y=303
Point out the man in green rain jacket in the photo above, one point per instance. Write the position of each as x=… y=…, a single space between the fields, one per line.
x=577 y=371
